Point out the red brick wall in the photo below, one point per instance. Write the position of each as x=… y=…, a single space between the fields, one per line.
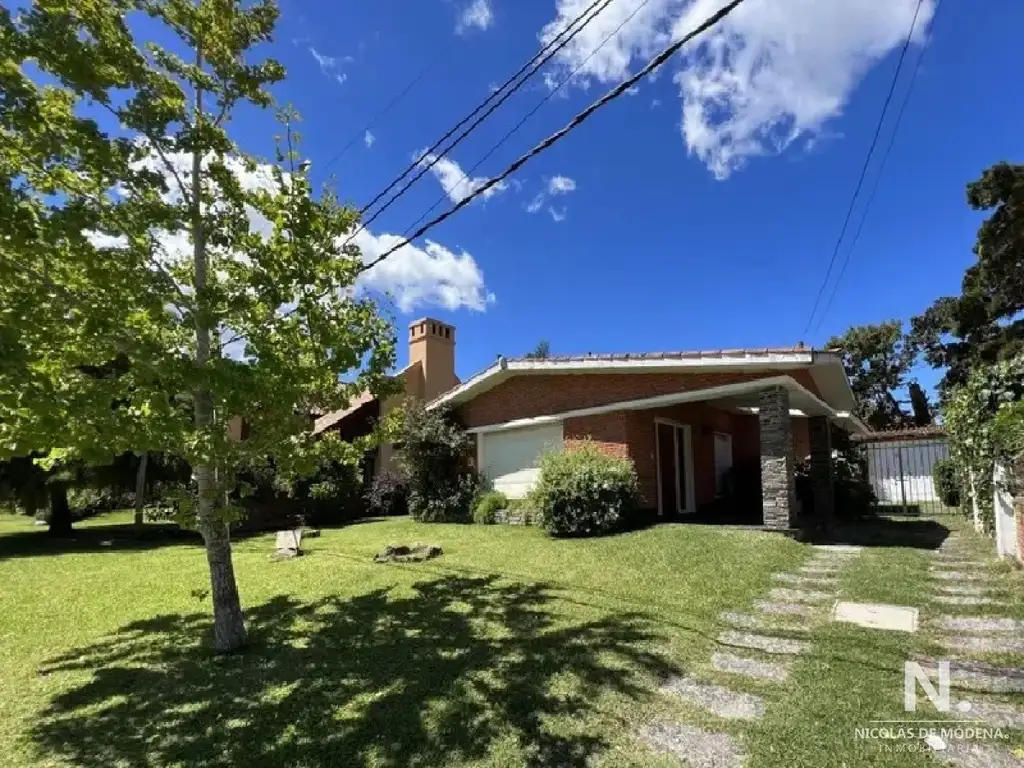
x=527 y=395
x=801 y=439
x=609 y=431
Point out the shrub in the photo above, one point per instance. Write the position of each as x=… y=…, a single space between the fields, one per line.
x=946 y=485
x=388 y=494
x=584 y=492
x=450 y=502
x=488 y=506
x=442 y=486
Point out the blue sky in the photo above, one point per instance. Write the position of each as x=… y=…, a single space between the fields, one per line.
x=717 y=236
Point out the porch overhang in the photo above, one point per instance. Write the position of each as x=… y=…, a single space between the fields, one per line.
x=741 y=397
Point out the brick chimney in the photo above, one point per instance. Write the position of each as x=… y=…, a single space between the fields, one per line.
x=432 y=345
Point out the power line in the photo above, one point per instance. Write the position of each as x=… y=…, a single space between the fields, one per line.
x=614 y=93
x=532 y=112
x=874 y=186
x=389 y=106
x=501 y=95
x=864 y=169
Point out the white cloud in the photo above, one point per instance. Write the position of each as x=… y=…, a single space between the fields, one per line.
x=456 y=184
x=536 y=204
x=329 y=65
x=557 y=215
x=633 y=90
x=417 y=277
x=429 y=276
x=561 y=185
x=773 y=71
x=655 y=103
x=476 y=15
x=369 y=139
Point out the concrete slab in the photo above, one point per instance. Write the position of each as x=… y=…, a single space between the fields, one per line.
x=801 y=609
x=720 y=701
x=980 y=624
x=741 y=665
x=695 y=747
x=765 y=643
x=897 y=618
x=798 y=595
x=750 y=621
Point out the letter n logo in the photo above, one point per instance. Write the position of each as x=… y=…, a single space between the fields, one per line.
x=913 y=673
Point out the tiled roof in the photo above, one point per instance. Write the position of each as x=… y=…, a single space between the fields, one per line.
x=329 y=420
x=702 y=354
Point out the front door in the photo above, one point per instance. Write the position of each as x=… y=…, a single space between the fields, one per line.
x=673 y=452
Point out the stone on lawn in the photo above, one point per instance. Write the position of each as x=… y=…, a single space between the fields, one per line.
x=695 y=747
x=718 y=700
x=806 y=581
x=750 y=621
x=980 y=624
x=798 y=595
x=766 y=606
x=740 y=665
x=765 y=643
x=962 y=589
x=984 y=644
x=901 y=618
x=401 y=553
x=973 y=754
x=957 y=575
x=979 y=676
x=289 y=543
x=994 y=713
x=966 y=600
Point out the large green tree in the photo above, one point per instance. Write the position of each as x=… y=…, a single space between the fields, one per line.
x=984 y=323
x=878 y=360
x=134 y=229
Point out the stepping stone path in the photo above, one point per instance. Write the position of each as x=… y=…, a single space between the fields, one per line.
x=958 y=589
x=958 y=575
x=718 y=700
x=994 y=713
x=792 y=609
x=960 y=578
x=984 y=643
x=966 y=600
x=798 y=595
x=750 y=621
x=803 y=596
x=814 y=582
x=980 y=624
x=695 y=747
x=765 y=643
x=741 y=665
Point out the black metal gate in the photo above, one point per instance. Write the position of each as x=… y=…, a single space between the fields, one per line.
x=900 y=469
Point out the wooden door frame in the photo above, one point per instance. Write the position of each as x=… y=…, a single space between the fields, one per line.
x=687 y=470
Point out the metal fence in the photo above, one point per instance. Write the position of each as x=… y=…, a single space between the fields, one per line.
x=900 y=472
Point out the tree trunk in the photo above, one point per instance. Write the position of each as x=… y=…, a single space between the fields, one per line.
x=140 y=492
x=60 y=510
x=228 y=622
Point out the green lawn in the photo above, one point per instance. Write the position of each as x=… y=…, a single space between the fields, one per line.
x=511 y=649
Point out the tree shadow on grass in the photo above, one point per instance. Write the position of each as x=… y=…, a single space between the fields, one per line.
x=435 y=677
x=120 y=537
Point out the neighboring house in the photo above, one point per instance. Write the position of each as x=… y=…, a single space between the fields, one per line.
x=684 y=418
x=430 y=373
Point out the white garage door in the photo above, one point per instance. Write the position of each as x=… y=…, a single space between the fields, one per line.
x=510 y=459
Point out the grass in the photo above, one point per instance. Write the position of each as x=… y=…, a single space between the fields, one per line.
x=511 y=649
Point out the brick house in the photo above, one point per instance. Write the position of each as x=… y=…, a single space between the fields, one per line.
x=684 y=419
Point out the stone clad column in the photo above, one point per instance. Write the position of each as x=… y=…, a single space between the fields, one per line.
x=820 y=431
x=778 y=486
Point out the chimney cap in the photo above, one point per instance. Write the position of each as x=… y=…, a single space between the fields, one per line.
x=431 y=327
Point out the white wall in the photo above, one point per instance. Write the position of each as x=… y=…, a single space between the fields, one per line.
x=1006 y=529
